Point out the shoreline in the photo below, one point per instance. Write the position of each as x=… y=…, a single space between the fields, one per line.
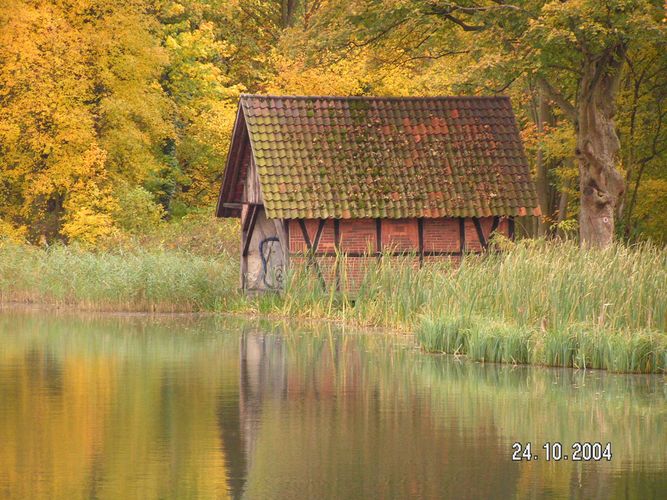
x=38 y=307
x=537 y=302
x=73 y=309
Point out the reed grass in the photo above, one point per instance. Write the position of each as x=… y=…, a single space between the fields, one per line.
x=140 y=280
x=535 y=302
x=578 y=346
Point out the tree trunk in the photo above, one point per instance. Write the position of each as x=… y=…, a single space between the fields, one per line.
x=287 y=12
x=601 y=184
x=542 y=180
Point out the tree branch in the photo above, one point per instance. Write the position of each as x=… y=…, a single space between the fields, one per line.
x=379 y=35
x=565 y=105
x=446 y=12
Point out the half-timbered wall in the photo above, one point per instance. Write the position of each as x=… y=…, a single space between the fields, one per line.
x=315 y=242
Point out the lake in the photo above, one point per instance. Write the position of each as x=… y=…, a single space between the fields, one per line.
x=104 y=406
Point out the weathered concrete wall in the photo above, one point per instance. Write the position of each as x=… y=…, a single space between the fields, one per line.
x=267 y=273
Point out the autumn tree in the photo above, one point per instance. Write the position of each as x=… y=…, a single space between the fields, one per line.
x=204 y=98
x=642 y=123
x=574 y=50
x=115 y=115
x=50 y=153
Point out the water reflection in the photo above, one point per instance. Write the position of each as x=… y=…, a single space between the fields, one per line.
x=111 y=407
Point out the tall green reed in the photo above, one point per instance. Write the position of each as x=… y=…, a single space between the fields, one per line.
x=139 y=280
x=538 y=302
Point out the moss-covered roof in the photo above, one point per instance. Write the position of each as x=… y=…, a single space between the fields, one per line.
x=344 y=157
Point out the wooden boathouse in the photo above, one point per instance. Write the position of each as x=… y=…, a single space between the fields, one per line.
x=312 y=177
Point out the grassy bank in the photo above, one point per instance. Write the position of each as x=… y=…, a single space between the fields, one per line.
x=138 y=280
x=536 y=302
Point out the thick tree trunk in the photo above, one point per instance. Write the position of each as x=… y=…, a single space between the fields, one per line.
x=601 y=184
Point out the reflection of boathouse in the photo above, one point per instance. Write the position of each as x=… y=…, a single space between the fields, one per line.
x=262 y=373
x=319 y=418
x=313 y=177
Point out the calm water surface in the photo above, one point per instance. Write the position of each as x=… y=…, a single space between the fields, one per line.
x=135 y=407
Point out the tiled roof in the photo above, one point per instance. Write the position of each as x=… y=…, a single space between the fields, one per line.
x=343 y=157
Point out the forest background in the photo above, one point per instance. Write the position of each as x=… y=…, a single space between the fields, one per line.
x=116 y=115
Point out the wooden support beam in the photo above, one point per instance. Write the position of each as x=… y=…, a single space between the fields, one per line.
x=430 y=253
x=312 y=261
x=420 y=234
x=494 y=226
x=378 y=237
x=318 y=235
x=304 y=233
x=462 y=235
x=232 y=168
x=480 y=233
x=511 y=229
x=240 y=204
x=233 y=205
x=251 y=227
x=236 y=162
x=336 y=228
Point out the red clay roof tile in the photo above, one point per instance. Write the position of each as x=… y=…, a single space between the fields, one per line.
x=360 y=157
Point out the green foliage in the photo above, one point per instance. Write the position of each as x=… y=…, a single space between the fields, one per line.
x=651 y=210
x=137 y=210
x=197 y=233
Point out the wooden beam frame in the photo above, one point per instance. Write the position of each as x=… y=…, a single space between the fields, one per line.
x=237 y=150
x=511 y=229
x=378 y=237
x=234 y=205
x=318 y=234
x=430 y=253
x=312 y=247
x=480 y=233
x=304 y=233
x=494 y=225
x=420 y=236
x=251 y=227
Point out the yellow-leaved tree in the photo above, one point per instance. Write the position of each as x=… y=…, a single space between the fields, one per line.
x=82 y=108
x=48 y=139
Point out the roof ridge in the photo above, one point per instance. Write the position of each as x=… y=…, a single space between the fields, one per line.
x=374 y=98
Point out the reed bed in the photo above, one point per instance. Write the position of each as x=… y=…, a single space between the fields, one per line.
x=138 y=280
x=577 y=346
x=535 y=302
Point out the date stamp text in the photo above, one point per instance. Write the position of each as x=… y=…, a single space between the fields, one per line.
x=556 y=452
